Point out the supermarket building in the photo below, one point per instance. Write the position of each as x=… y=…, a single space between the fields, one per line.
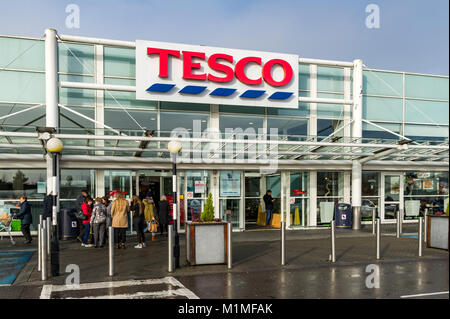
x=332 y=132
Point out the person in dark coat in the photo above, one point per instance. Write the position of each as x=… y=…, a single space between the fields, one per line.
x=27 y=219
x=80 y=200
x=163 y=214
x=268 y=201
x=48 y=206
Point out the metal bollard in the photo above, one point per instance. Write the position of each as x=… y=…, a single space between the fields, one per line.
x=49 y=230
x=425 y=228
x=398 y=224
x=283 y=243
x=229 y=254
x=401 y=221
x=44 y=251
x=170 y=244
x=378 y=237
x=420 y=235
x=39 y=230
x=111 y=250
x=374 y=215
x=333 y=241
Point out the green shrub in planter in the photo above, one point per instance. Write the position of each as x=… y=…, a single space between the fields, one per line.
x=208 y=210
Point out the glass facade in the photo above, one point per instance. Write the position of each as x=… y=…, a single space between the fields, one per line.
x=412 y=105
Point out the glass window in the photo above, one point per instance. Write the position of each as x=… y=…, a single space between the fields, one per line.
x=370 y=131
x=330 y=79
x=251 y=125
x=299 y=212
x=426 y=183
x=73 y=181
x=22 y=87
x=422 y=86
x=190 y=121
x=426 y=132
x=29 y=182
x=126 y=99
x=381 y=108
x=118 y=180
x=426 y=111
x=288 y=125
x=274 y=184
x=325 y=127
x=302 y=110
x=330 y=110
x=68 y=60
x=72 y=123
x=241 y=109
x=25 y=54
x=382 y=83
x=370 y=182
x=69 y=96
x=35 y=117
x=299 y=184
x=330 y=184
x=119 y=61
x=252 y=186
x=120 y=120
x=303 y=77
x=230 y=184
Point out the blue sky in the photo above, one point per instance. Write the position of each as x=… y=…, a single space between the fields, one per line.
x=413 y=35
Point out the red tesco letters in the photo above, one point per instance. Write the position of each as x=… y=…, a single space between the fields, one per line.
x=221 y=63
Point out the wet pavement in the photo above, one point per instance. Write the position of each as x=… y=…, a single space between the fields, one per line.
x=256 y=271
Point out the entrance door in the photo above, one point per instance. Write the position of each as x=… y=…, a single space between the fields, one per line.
x=252 y=198
x=392 y=195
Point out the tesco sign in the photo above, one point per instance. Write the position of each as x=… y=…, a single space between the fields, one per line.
x=198 y=74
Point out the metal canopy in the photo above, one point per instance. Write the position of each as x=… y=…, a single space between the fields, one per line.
x=261 y=149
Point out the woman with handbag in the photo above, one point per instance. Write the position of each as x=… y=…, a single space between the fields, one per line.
x=137 y=209
x=119 y=210
x=149 y=213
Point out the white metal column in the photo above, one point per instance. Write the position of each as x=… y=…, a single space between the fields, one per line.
x=312 y=220
x=357 y=134
x=312 y=131
x=51 y=99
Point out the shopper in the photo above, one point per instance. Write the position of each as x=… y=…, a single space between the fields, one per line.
x=79 y=202
x=150 y=216
x=163 y=214
x=119 y=210
x=268 y=201
x=107 y=203
x=98 y=222
x=27 y=219
x=137 y=209
x=86 y=207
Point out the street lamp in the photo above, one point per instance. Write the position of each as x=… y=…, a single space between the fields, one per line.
x=54 y=146
x=174 y=148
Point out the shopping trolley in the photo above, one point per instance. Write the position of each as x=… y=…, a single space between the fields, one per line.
x=5 y=226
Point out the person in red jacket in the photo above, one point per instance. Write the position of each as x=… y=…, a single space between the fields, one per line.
x=86 y=207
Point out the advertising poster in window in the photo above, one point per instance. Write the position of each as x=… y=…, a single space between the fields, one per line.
x=230 y=183
x=199 y=187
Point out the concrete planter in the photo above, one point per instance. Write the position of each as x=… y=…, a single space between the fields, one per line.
x=206 y=243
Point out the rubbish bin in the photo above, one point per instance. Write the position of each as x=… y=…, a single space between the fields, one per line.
x=343 y=216
x=70 y=227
